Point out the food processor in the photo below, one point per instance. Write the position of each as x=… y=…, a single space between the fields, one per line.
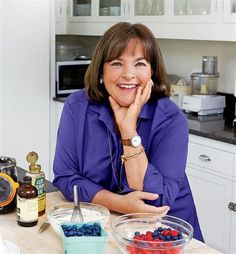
x=204 y=99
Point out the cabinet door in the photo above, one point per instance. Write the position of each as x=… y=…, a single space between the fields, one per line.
x=201 y=11
x=212 y=195
x=60 y=16
x=149 y=10
x=229 y=12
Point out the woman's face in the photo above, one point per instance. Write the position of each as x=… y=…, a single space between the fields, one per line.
x=124 y=75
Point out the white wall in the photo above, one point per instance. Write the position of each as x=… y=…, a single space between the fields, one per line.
x=1 y=35
x=185 y=56
x=25 y=83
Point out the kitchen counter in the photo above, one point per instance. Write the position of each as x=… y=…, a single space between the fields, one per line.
x=29 y=240
x=214 y=127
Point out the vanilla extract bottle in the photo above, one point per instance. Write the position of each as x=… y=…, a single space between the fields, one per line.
x=38 y=180
x=27 y=204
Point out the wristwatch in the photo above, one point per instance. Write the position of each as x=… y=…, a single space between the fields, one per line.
x=135 y=141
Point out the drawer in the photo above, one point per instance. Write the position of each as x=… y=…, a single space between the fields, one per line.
x=210 y=158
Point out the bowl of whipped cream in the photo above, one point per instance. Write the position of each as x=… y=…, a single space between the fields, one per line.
x=61 y=213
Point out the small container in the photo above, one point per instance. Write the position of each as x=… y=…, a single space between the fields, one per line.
x=84 y=244
x=209 y=64
x=8 y=184
x=204 y=84
x=27 y=204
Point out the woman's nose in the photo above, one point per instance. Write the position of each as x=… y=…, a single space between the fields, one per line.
x=128 y=72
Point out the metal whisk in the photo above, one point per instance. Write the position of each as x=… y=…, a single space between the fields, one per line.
x=77 y=214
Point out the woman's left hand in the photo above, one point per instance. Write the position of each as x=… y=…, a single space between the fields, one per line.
x=126 y=117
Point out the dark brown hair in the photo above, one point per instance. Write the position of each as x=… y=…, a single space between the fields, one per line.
x=112 y=45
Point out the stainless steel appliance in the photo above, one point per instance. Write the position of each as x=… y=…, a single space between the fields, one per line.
x=70 y=76
x=204 y=99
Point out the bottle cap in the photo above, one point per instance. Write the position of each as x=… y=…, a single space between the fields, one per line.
x=27 y=179
x=32 y=158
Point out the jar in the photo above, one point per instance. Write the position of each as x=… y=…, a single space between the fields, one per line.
x=209 y=64
x=8 y=183
x=204 y=84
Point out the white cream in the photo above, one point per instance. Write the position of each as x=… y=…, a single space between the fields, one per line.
x=88 y=215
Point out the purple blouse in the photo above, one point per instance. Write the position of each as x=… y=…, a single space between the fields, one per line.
x=88 y=153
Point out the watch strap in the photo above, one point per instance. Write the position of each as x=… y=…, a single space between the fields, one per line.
x=126 y=142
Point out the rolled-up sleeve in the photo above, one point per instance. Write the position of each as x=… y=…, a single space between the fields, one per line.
x=167 y=161
x=66 y=166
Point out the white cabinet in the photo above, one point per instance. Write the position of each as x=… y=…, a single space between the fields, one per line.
x=211 y=172
x=55 y=115
x=61 y=8
x=173 y=19
x=229 y=12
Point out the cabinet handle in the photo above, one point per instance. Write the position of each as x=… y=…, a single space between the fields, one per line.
x=232 y=206
x=204 y=158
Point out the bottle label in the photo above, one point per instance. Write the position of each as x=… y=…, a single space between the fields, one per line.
x=39 y=183
x=27 y=209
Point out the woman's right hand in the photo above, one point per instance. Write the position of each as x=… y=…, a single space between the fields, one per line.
x=133 y=202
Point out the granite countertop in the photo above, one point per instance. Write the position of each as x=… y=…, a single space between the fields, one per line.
x=214 y=126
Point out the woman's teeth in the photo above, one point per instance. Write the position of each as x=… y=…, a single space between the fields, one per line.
x=127 y=86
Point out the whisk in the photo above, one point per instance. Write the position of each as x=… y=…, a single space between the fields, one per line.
x=77 y=214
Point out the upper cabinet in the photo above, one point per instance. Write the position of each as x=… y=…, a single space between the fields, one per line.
x=172 y=19
x=229 y=12
x=61 y=10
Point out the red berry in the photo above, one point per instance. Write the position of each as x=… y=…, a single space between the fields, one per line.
x=165 y=232
x=174 y=233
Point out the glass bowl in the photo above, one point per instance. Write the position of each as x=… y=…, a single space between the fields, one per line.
x=125 y=227
x=62 y=213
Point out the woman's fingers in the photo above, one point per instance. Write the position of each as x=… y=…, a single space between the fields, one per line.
x=153 y=209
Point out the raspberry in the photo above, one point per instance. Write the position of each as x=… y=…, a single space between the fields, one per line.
x=174 y=233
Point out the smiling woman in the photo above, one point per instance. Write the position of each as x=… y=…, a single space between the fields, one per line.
x=122 y=140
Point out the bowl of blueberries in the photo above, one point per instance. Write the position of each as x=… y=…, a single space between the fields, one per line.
x=62 y=213
x=83 y=238
x=151 y=233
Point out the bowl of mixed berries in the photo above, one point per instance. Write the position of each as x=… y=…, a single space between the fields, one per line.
x=148 y=233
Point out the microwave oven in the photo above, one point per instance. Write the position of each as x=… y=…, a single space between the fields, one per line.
x=70 y=76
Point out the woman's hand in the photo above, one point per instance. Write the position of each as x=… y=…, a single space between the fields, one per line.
x=126 y=117
x=134 y=203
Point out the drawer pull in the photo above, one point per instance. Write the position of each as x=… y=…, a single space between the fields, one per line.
x=232 y=206
x=204 y=158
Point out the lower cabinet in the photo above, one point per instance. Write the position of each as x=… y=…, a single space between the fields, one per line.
x=56 y=110
x=213 y=192
x=212 y=195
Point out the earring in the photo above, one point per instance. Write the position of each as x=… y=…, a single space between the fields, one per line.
x=100 y=80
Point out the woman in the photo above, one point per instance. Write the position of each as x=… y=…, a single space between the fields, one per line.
x=122 y=140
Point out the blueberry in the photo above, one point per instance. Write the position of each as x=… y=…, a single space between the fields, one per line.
x=137 y=233
x=160 y=229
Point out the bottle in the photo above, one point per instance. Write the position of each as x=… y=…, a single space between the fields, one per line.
x=27 y=204
x=38 y=180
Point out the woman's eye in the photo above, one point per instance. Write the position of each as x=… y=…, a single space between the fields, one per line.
x=116 y=64
x=140 y=64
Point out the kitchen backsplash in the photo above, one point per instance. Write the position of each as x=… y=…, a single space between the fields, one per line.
x=181 y=57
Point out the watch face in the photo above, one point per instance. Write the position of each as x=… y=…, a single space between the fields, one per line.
x=136 y=141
